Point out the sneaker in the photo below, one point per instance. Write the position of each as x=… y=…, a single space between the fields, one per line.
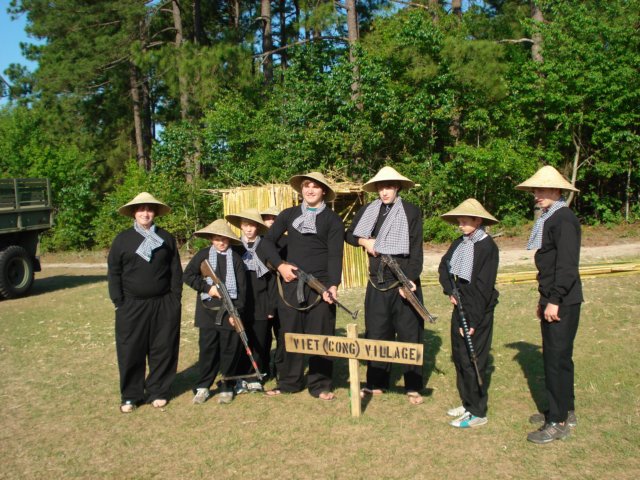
x=456 y=412
x=241 y=387
x=225 y=397
x=202 y=394
x=468 y=420
x=539 y=418
x=549 y=432
x=254 y=387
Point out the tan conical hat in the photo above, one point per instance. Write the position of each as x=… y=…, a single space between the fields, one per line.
x=296 y=183
x=469 y=208
x=547 y=177
x=250 y=214
x=387 y=174
x=144 y=198
x=272 y=210
x=218 y=227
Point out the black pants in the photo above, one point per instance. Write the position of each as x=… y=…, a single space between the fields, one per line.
x=474 y=399
x=388 y=315
x=147 y=328
x=259 y=335
x=557 y=352
x=219 y=352
x=319 y=320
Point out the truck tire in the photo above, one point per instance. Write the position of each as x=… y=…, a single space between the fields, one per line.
x=16 y=272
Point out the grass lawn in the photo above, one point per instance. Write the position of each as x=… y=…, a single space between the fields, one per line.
x=60 y=418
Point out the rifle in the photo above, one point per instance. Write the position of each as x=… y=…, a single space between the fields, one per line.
x=318 y=287
x=464 y=324
x=207 y=271
x=405 y=286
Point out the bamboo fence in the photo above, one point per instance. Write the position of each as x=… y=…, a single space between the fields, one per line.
x=348 y=201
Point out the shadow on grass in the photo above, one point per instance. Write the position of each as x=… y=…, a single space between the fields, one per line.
x=529 y=356
x=43 y=286
x=185 y=380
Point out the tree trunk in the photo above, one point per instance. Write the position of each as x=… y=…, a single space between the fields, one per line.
x=182 y=81
x=354 y=36
x=141 y=154
x=574 y=166
x=283 y=33
x=536 y=45
x=198 y=31
x=456 y=8
x=434 y=7
x=267 y=41
x=235 y=17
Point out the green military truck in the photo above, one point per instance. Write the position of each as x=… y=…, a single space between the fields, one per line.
x=25 y=212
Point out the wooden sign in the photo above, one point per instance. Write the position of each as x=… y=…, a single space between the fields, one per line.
x=358 y=348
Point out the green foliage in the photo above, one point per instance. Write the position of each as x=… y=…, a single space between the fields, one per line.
x=434 y=229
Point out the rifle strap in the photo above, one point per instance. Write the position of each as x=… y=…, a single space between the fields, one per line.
x=386 y=289
x=299 y=309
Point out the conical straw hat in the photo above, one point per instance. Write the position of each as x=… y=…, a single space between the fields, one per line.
x=218 y=227
x=250 y=214
x=144 y=198
x=547 y=177
x=296 y=183
x=469 y=208
x=387 y=174
x=272 y=210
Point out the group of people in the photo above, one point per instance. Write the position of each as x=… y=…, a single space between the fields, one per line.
x=260 y=272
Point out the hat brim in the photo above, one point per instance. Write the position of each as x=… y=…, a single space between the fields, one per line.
x=452 y=218
x=129 y=209
x=372 y=185
x=296 y=184
x=207 y=235
x=236 y=219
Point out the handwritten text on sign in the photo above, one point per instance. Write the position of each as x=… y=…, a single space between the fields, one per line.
x=377 y=350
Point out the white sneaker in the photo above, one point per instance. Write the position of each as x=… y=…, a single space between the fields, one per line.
x=456 y=412
x=468 y=421
x=241 y=387
x=201 y=396
x=225 y=397
x=254 y=387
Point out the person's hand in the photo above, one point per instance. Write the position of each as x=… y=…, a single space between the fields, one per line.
x=471 y=331
x=551 y=313
x=368 y=243
x=453 y=300
x=330 y=295
x=413 y=289
x=287 y=271
x=232 y=322
x=213 y=292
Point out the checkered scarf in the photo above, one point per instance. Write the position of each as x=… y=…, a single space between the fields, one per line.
x=150 y=243
x=251 y=260
x=393 y=237
x=535 y=239
x=230 y=281
x=462 y=258
x=306 y=223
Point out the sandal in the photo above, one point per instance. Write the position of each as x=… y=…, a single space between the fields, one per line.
x=415 y=398
x=274 y=392
x=365 y=392
x=159 y=403
x=127 y=407
x=327 y=396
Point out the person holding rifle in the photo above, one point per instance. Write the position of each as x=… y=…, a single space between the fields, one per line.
x=390 y=225
x=556 y=239
x=219 y=345
x=467 y=274
x=315 y=243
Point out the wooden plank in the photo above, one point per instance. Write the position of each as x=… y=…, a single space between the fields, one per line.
x=354 y=375
x=358 y=348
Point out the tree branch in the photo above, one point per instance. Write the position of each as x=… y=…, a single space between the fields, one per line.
x=516 y=40
x=300 y=42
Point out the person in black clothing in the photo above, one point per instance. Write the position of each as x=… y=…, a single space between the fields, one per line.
x=556 y=239
x=260 y=303
x=474 y=263
x=389 y=225
x=145 y=285
x=219 y=344
x=315 y=244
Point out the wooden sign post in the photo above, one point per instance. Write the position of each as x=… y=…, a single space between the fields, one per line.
x=354 y=349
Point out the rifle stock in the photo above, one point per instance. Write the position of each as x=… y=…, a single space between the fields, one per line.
x=234 y=316
x=464 y=324
x=405 y=286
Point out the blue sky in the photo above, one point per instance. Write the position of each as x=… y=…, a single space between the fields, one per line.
x=11 y=34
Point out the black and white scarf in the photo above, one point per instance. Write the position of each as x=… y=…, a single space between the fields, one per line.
x=463 y=255
x=393 y=237
x=306 y=223
x=251 y=260
x=151 y=241
x=535 y=239
x=230 y=281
